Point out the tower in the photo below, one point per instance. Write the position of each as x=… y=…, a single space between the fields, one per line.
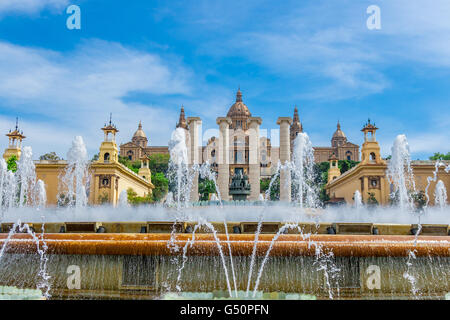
x=15 y=143
x=296 y=127
x=108 y=149
x=370 y=149
x=182 y=120
x=144 y=170
x=334 y=171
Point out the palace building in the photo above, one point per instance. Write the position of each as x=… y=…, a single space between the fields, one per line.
x=247 y=152
x=239 y=115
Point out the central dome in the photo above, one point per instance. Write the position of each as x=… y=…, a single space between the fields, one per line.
x=239 y=113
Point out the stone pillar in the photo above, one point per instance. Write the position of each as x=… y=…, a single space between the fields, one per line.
x=383 y=198
x=223 y=162
x=194 y=124
x=253 y=157
x=285 y=156
x=365 y=193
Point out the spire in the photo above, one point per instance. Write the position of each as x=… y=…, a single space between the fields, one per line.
x=239 y=95
x=338 y=125
x=140 y=125
x=17 y=123
x=182 y=120
x=296 y=117
x=296 y=125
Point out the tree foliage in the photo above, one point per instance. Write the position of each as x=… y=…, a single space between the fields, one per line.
x=205 y=187
x=440 y=156
x=159 y=162
x=274 y=191
x=49 y=156
x=161 y=184
x=132 y=165
x=12 y=163
x=136 y=200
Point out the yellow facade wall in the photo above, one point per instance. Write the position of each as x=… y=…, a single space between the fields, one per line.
x=106 y=181
x=360 y=177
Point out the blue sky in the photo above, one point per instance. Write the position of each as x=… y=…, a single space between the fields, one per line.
x=141 y=60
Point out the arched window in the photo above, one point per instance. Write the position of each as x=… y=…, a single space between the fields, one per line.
x=349 y=155
x=130 y=155
x=372 y=156
x=106 y=157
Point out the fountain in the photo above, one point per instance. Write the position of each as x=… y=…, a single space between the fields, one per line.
x=75 y=180
x=357 y=200
x=401 y=175
x=221 y=248
x=440 y=195
x=303 y=176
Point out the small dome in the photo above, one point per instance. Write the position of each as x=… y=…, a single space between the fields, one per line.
x=139 y=132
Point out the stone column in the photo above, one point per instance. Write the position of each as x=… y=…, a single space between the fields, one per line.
x=194 y=124
x=285 y=156
x=223 y=162
x=383 y=198
x=253 y=157
x=365 y=193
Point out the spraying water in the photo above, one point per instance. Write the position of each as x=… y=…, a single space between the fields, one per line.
x=75 y=180
x=357 y=200
x=123 y=199
x=400 y=174
x=179 y=176
x=302 y=167
x=440 y=195
x=26 y=175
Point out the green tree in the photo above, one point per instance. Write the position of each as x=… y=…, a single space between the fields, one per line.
x=159 y=162
x=205 y=187
x=161 y=184
x=132 y=165
x=49 y=156
x=264 y=185
x=12 y=163
x=440 y=156
x=136 y=200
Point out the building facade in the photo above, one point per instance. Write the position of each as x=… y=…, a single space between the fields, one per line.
x=240 y=114
x=370 y=179
x=106 y=179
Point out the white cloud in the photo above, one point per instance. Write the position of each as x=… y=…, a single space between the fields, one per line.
x=71 y=94
x=31 y=6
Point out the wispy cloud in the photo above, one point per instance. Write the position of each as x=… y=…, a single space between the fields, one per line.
x=30 y=6
x=73 y=93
